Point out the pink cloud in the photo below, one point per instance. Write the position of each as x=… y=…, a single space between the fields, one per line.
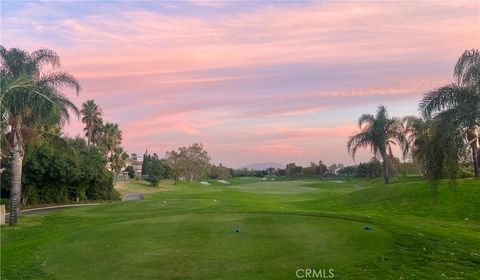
x=170 y=80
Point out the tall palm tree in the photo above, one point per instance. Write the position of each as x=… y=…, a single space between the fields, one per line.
x=459 y=106
x=92 y=118
x=380 y=133
x=29 y=108
x=467 y=72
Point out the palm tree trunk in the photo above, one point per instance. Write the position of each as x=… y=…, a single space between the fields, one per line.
x=89 y=136
x=475 y=159
x=472 y=136
x=385 y=167
x=478 y=154
x=16 y=179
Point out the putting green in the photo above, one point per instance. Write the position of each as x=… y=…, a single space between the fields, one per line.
x=275 y=187
x=208 y=246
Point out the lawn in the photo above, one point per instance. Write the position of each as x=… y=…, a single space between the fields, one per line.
x=189 y=231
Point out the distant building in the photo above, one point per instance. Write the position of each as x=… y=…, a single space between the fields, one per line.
x=137 y=166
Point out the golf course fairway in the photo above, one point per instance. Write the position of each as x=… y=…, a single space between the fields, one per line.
x=256 y=229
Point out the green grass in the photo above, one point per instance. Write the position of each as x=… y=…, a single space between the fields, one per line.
x=187 y=231
x=140 y=186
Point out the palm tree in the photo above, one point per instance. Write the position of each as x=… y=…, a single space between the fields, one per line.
x=92 y=118
x=436 y=148
x=28 y=108
x=111 y=138
x=467 y=72
x=459 y=106
x=118 y=159
x=467 y=69
x=417 y=131
x=380 y=133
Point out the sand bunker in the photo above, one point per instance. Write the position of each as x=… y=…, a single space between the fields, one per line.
x=205 y=183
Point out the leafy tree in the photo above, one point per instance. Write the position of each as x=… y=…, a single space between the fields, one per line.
x=322 y=169
x=154 y=169
x=28 y=108
x=271 y=171
x=134 y=157
x=311 y=170
x=153 y=180
x=189 y=163
x=56 y=173
x=243 y=172
x=348 y=171
x=378 y=132
x=131 y=171
x=48 y=174
x=219 y=172
x=332 y=168
x=94 y=180
x=293 y=170
x=372 y=169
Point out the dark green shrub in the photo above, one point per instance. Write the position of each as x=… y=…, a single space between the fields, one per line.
x=54 y=173
x=153 y=180
x=131 y=171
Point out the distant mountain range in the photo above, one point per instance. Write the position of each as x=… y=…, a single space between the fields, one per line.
x=264 y=165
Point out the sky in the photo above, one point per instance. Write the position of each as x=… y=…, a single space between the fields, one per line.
x=253 y=81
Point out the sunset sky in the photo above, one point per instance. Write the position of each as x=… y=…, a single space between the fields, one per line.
x=253 y=81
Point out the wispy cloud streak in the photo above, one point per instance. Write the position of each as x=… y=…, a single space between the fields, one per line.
x=263 y=81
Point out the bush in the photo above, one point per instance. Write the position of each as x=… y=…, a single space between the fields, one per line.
x=465 y=173
x=47 y=174
x=153 y=180
x=54 y=173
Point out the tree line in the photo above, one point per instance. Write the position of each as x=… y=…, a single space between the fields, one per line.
x=39 y=163
x=190 y=163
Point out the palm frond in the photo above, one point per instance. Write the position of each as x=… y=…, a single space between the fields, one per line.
x=42 y=57
x=467 y=69
x=357 y=141
x=445 y=97
x=60 y=79
x=366 y=119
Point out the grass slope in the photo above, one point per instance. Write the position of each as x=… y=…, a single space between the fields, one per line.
x=188 y=231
